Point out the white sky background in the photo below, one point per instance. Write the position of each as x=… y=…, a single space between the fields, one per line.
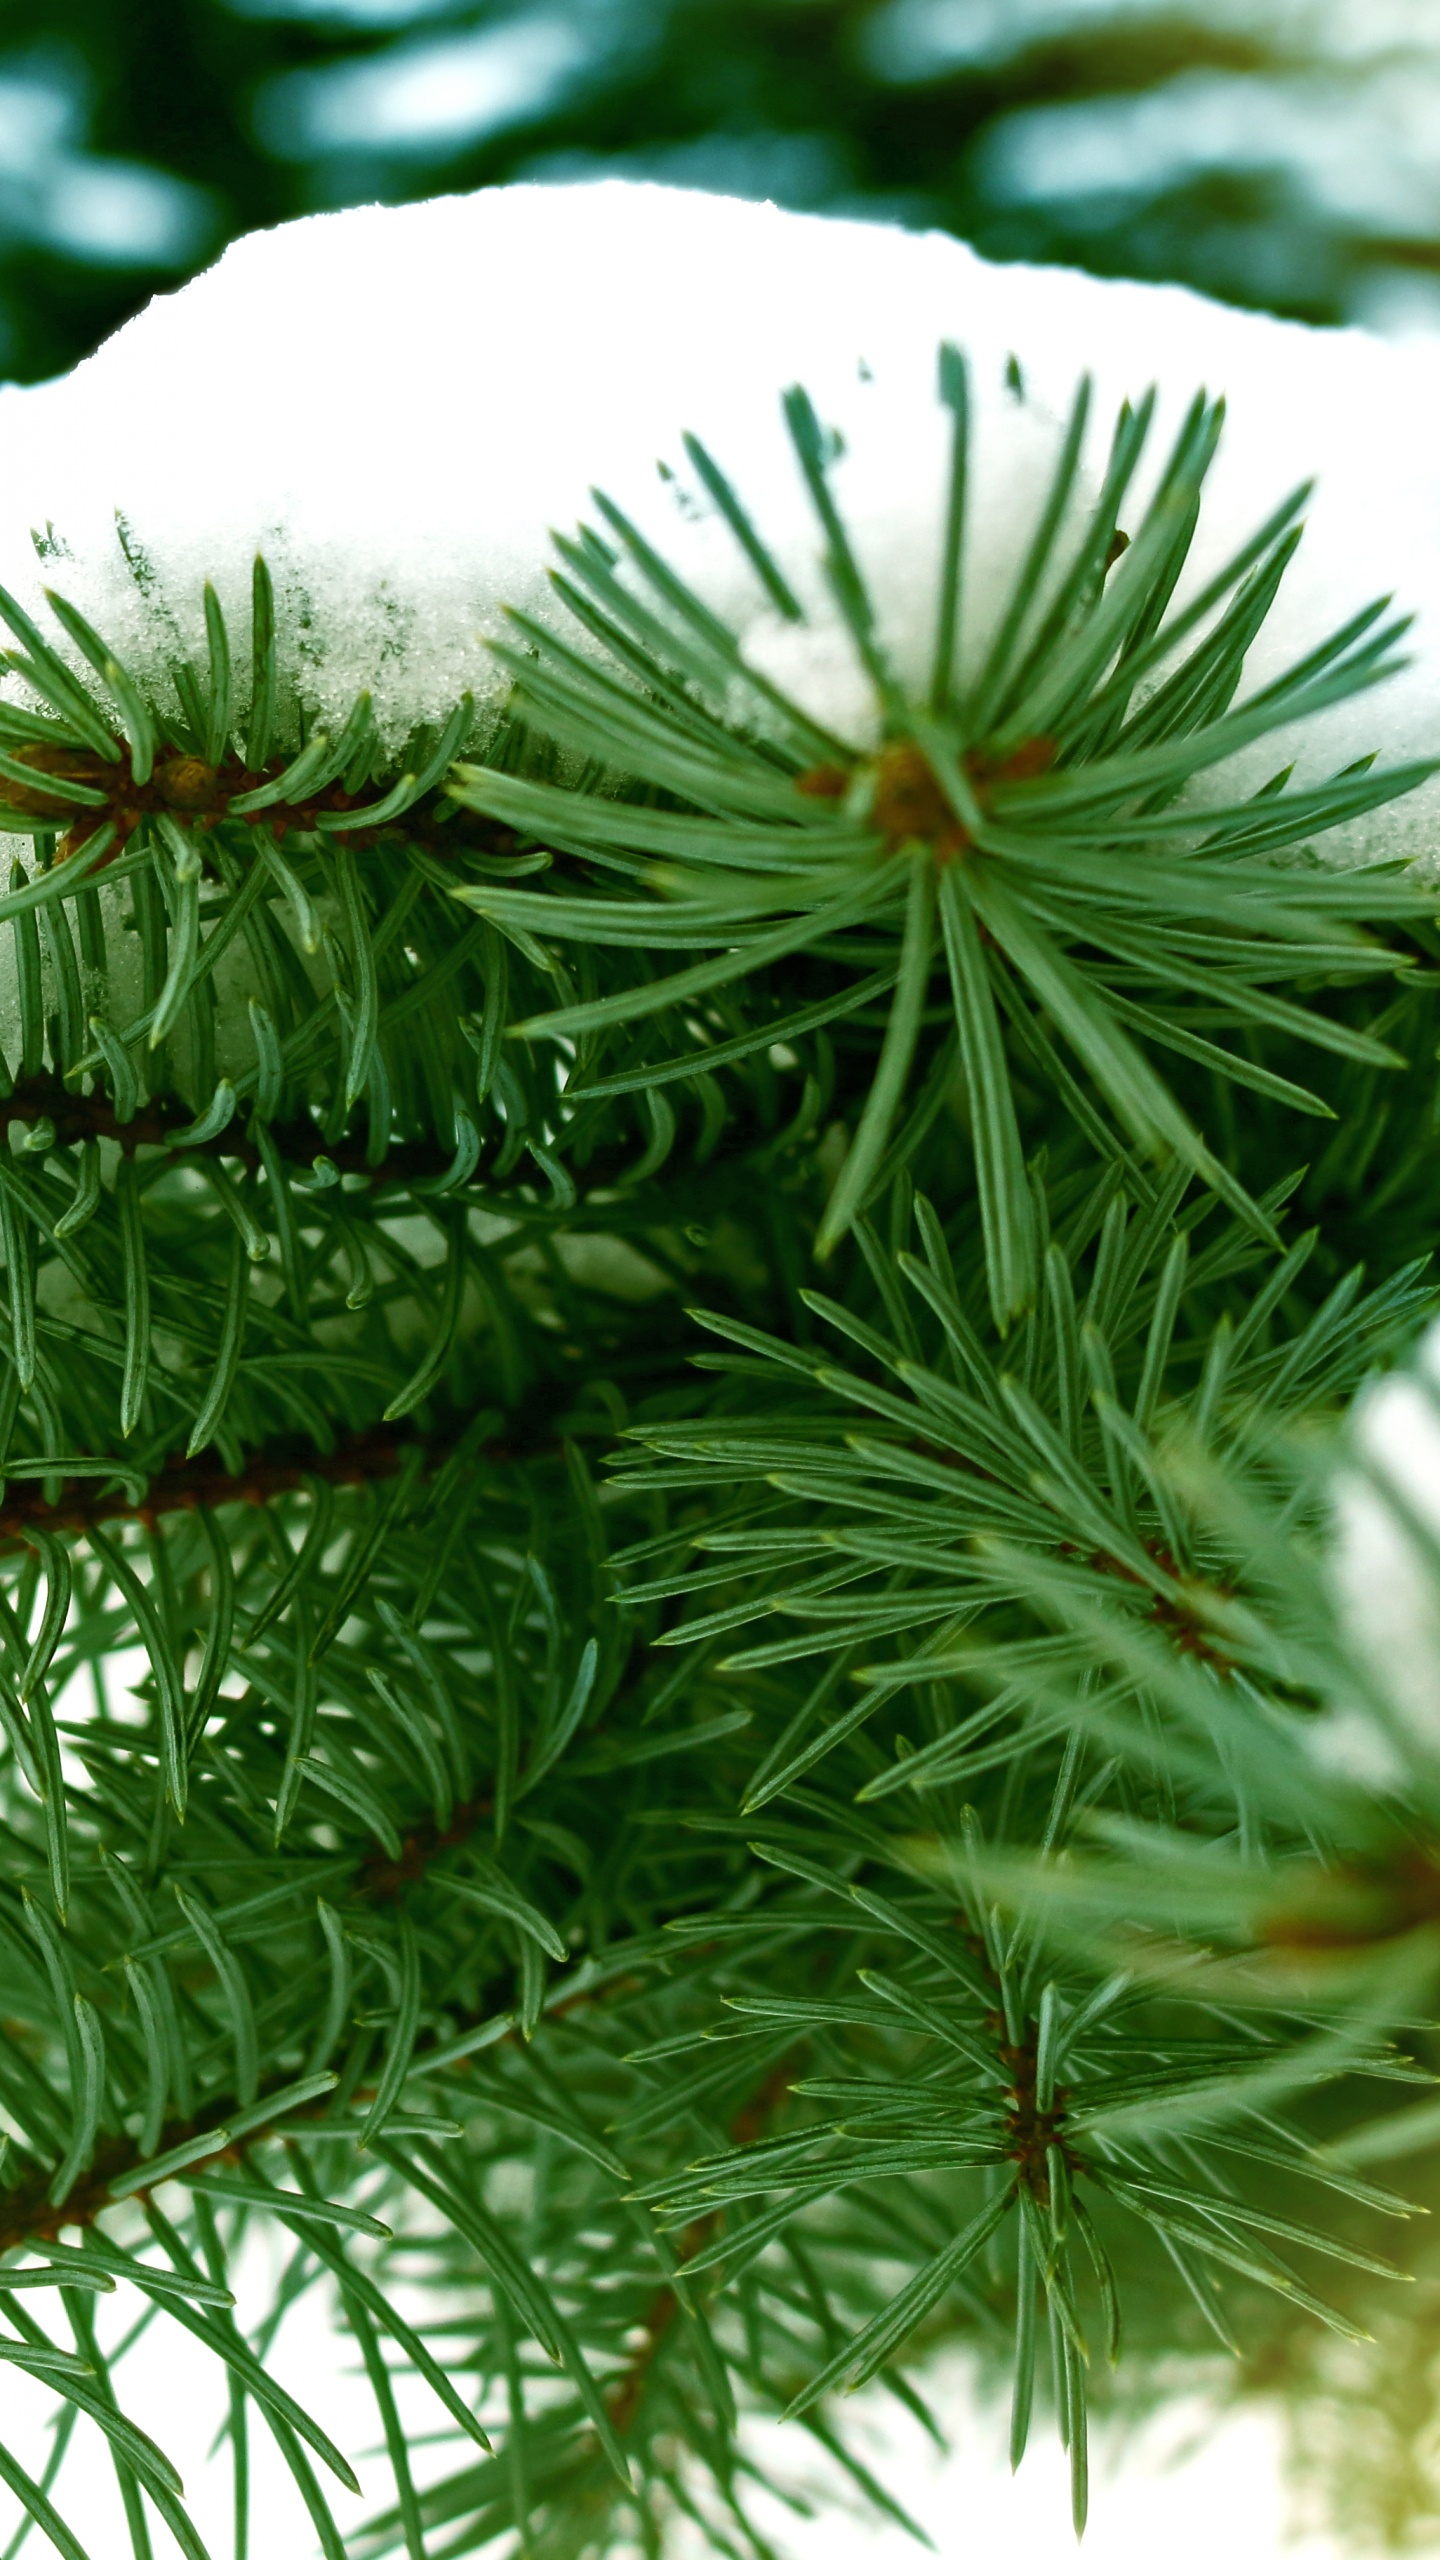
x=1178 y=2489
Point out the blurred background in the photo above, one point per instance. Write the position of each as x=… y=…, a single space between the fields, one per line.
x=1283 y=153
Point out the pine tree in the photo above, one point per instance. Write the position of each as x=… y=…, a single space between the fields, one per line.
x=677 y=1386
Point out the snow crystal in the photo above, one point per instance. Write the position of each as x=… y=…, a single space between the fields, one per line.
x=398 y=404
x=1387 y=1580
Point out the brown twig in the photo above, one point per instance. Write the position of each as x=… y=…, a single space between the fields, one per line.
x=298 y=1142
x=281 y=1466
x=1036 y=2132
x=383 y=1879
x=191 y=1484
x=908 y=802
x=751 y=2121
x=76 y=1116
x=27 y=2214
x=199 y=795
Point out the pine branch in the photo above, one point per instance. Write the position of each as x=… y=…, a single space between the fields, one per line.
x=1003 y=1535
x=76 y=1117
x=199 y=795
x=191 y=1484
x=162 y=1123
x=28 y=2213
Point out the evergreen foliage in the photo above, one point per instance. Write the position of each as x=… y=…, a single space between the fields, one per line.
x=686 y=1834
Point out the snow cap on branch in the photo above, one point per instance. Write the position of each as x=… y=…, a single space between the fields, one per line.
x=397 y=405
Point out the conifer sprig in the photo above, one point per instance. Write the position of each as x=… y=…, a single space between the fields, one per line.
x=906 y=1474
x=650 y=1934
x=1024 y=834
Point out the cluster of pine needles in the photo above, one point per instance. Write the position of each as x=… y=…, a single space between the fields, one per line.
x=668 y=1405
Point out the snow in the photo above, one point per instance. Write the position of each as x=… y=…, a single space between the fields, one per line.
x=398 y=404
